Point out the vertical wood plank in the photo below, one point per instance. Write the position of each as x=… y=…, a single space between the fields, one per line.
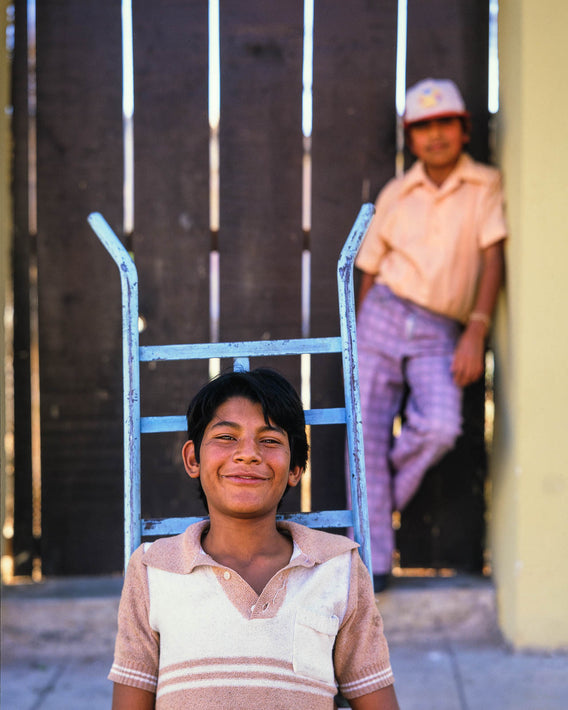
x=353 y=155
x=79 y=170
x=260 y=238
x=23 y=542
x=171 y=239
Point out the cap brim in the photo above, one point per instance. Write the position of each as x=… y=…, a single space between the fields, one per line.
x=434 y=116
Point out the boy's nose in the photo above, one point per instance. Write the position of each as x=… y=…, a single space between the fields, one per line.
x=247 y=450
x=435 y=127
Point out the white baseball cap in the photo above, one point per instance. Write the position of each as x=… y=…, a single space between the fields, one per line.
x=433 y=98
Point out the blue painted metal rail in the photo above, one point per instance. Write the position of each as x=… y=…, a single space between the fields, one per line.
x=134 y=425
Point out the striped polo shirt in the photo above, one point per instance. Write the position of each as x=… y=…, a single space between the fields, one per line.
x=195 y=633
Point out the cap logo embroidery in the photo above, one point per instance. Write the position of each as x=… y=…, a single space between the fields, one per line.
x=430 y=97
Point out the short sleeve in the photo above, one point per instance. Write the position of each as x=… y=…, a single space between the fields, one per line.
x=136 y=654
x=361 y=655
x=493 y=222
x=373 y=247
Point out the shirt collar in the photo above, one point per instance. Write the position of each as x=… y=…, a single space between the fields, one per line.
x=465 y=171
x=182 y=553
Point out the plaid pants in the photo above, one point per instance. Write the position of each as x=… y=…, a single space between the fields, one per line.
x=402 y=347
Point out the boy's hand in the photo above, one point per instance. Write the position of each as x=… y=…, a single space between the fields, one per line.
x=468 y=362
x=469 y=357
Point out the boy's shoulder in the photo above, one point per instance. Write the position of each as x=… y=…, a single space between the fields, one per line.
x=178 y=554
x=470 y=169
x=400 y=185
x=318 y=545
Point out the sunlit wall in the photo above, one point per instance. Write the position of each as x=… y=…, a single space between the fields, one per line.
x=529 y=523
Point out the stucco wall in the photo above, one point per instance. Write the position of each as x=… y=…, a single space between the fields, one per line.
x=529 y=523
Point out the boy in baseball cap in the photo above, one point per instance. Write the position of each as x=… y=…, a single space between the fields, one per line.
x=432 y=264
x=437 y=126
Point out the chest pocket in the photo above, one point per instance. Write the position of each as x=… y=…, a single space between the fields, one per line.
x=314 y=636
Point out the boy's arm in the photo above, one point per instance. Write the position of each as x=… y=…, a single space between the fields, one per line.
x=383 y=699
x=373 y=248
x=367 y=280
x=360 y=655
x=468 y=362
x=125 y=697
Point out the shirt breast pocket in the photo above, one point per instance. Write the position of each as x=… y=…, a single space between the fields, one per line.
x=314 y=636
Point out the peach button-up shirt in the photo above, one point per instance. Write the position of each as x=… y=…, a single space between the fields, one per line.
x=425 y=242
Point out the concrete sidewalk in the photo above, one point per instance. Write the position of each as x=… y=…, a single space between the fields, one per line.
x=446 y=651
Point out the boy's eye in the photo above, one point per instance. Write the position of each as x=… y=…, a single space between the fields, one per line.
x=419 y=125
x=442 y=121
x=271 y=441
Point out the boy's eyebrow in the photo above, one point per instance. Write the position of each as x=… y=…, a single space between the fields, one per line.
x=236 y=425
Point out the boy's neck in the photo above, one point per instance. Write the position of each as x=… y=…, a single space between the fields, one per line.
x=256 y=549
x=238 y=535
x=439 y=175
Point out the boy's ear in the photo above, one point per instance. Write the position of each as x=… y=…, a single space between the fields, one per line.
x=408 y=141
x=295 y=475
x=190 y=460
x=466 y=130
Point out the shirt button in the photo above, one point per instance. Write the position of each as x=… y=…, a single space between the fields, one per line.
x=227 y=575
x=264 y=607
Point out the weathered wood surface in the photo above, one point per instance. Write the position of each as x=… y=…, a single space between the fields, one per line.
x=79 y=133
x=171 y=240
x=260 y=239
x=23 y=545
x=353 y=155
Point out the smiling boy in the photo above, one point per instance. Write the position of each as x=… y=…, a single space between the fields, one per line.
x=241 y=612
x=432 y=265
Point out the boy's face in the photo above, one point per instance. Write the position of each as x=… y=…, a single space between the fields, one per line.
x=439 y=142
x=244 y=463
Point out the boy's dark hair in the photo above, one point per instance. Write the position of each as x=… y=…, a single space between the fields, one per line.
x=464 y=120
x=278 y=399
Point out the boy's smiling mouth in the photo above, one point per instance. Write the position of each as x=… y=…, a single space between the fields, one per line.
x=244 y=476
